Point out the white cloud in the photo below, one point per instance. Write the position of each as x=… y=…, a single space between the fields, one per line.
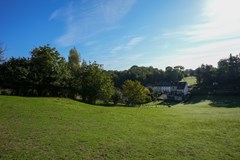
x=220 y=20
x=122 y=62
x=129 y=45
x=85 y=19
x=113 y=10
x=117 y=48
x=215 y=36
x=193 y=57
x=134 y=41
x=54 y=14
x=207 y=53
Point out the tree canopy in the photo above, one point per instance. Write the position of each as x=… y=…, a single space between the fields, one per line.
x=47 y=73
x=134 y=93
x=227 y=74
x=1 y=53
x=96 y=83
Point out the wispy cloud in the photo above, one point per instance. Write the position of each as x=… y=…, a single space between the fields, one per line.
x=129 y=45
x=134 y=41
x=215 y=36
x=122 y=62
x=194 y=56
x=220 y=20
x=84 y=19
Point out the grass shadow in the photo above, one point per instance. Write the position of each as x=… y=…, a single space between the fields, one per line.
x=227 y=101
x=168 y=103
x=103 y=104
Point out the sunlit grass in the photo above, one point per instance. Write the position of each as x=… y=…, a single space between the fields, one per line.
x=190 y=80
x=58 y=128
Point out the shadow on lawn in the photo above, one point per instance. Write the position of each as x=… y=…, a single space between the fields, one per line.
x=217 y=100
x=103 y=104
x=226 y=101
x=168 y=103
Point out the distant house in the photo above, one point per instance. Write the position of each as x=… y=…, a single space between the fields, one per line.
x=161 y=89
x=174 y=91
x=182 y=87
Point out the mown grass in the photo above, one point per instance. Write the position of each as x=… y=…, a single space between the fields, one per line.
x=190 y=80
x=58 y=128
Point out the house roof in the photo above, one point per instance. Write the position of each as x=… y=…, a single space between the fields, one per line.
x=181 y=85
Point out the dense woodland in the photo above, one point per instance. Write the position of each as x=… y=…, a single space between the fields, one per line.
x=47 y=73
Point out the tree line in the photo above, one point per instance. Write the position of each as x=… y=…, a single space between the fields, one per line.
x=47 y=73
x=226 y=75
x=149 y=75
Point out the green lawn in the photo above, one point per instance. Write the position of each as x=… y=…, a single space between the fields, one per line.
x=190 y=80
x=58 y=128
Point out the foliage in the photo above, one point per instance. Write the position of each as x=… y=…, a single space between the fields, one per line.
x=117 y=96
x=49 y=70
x=174 y=74
x=227 y=74
x=134 y=92
x=206 y=74
x=46 y=73
x=1 y=53
x=96 y=84
x=74 y=68
x=147 y=75
x=74 y=60
x=15 y=75
x=229 y=70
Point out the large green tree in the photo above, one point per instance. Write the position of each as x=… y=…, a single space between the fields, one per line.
x=117 y=96
x=48 y=71
x=145 y=75
x=229 y=70
x=96 y=83
x=206 y=75
x=174 y=74
x=74 y=60
x=14 y=74
x=74 y=68
x=134 y=93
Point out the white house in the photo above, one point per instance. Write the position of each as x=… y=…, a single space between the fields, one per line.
x=176 y=90
x=161 y=89
x=182 y=87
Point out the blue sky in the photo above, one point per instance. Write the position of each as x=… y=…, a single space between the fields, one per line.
x=122 y=33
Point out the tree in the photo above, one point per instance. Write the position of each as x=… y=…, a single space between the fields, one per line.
x=74 y=60
x=179 y=67
x=48 y=71
x=96 y=84
x=134 y=92
x=145 y=75
x=117 y=96
x=106 y=89
x=229 y=70
x=206 y=74
x=74 y=68
x=175 y=74
x=14 y=74
x=2 y=50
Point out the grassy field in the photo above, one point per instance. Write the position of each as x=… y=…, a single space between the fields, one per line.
x=190 y=80
x=58 y=128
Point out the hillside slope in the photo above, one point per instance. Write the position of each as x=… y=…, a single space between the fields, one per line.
x=58 y=128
